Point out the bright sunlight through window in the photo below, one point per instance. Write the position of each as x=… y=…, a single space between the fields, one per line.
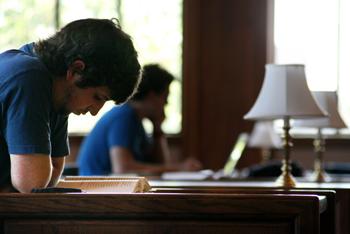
x=155 y=26
x=316 y=33
x=156 y=29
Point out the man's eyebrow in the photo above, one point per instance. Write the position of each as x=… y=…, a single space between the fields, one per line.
x=102 y=97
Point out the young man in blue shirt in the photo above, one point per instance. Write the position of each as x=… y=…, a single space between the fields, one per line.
x=76 y=70
x=118 y=142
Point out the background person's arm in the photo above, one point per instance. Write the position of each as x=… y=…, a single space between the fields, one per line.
x=30 y=171
x=160 y=148
x=122 y=161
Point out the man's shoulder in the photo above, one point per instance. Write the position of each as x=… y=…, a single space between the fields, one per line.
x=17 y=68
x=14 y=62
x=23 y=81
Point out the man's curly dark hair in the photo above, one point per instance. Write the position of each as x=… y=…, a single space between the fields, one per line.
x=108 y=53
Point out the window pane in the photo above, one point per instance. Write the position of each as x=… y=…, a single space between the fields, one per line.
x=80 y=9
x=317 y=33
x=306 y=32
x=156 y=27
x=157 y=41
x=344 y=60
x=22 y=22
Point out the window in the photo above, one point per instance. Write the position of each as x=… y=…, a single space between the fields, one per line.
x=157 y=41
x=155 y=26
x=316 y=33
x=25 y=21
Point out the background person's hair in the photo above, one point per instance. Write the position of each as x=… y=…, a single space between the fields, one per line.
x=108 y=53
x=154 y=79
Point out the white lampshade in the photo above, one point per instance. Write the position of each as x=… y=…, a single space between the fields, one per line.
x=264 y=136
x=284 y=94
x=329 y=102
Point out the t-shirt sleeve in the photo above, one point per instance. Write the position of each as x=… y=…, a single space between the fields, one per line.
x=122 y=132
x=27 y=125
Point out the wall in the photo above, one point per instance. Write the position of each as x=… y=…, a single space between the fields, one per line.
x=225 y=49
x=224 y=54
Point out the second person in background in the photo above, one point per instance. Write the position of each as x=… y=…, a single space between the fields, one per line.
x=119 y=144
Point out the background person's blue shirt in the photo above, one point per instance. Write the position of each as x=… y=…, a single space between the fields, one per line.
x=118 y=127
x=28 y=124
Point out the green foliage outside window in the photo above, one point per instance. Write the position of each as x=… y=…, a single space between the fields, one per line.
x=155 y=26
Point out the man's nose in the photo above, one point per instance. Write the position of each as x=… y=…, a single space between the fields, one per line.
x=94 y=109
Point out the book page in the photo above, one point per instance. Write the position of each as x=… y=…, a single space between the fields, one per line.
x=66 y=178
x=120 y=185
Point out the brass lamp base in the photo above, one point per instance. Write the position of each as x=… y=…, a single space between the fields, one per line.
x=319 y=174
x=286 y=179
x=320 y=177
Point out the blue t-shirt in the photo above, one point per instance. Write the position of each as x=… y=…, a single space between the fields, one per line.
x=119 y=127
x=28 y=124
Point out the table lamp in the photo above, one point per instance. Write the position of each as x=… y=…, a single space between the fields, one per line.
x=265 y=137
x=285 y=95
x=329 y=102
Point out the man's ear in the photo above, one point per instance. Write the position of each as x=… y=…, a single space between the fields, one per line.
x=75 y=68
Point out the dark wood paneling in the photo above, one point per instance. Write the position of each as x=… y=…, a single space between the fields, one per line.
x=161 y=213
x=342 y=195
x=327 y=218
x=150 y=227
x=225 y=50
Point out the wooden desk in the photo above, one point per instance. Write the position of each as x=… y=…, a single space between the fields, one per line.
x=161 y=213
x=327 y=218
x=342 y=198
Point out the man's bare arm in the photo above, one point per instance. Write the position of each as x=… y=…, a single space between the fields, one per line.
x=57 y=169
x=30 y=171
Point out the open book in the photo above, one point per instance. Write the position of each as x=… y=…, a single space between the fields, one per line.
x=106 y=184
